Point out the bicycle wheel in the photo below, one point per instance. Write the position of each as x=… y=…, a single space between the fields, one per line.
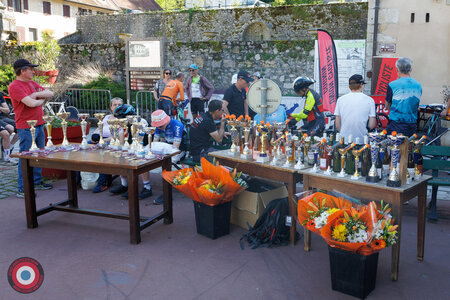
x=73 y=113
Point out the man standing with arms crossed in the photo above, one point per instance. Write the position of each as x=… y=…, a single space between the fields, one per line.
x=27 y=99
x=355 y=111
x=198 y=90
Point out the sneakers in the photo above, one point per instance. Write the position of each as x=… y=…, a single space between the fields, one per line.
x=99 y=188
x=20 y=194
x=159 y=200
x=142 y=195
x=43 y=186
x=10 y=161
x=118 y=189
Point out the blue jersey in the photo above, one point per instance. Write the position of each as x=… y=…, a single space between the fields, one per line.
x=404 y=95
x=173 y=132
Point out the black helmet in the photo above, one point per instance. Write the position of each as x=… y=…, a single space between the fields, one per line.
x=302 y=82
x=124 y=110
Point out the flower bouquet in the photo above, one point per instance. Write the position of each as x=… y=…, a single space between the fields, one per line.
x=317 y=209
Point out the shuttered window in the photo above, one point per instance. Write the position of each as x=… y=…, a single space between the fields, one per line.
x=25 y=4
x=66 y=11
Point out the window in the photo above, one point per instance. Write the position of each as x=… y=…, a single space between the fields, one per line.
x=427 y=17
x=66 y=11
x=82 y=11
x=47 y=8
x=32 y=34
x=15 y=5
x=412 y=17
x=25 y=4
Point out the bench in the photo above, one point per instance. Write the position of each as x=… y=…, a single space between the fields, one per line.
x=438 y=162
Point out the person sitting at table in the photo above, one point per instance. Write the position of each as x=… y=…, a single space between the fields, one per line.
x=203 y=129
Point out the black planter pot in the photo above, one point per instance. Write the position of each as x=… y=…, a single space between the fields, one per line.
x=352 y=273
x=212 y=221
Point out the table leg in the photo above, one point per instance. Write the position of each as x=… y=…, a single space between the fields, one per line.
x=72 y=188
x=292 y=208
x=167 y=194
x=397 y=208
x=421 y=215
x=30 y=196
x=133 y=206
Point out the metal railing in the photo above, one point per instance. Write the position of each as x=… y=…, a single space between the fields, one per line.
x=145 y=104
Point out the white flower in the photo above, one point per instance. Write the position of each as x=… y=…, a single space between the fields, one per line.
x=321 y=220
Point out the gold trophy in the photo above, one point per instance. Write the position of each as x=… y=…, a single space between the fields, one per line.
x=343 y=152
x=48 y=124
x=63 y=116
x=112 y=130
x=83 y=117
x=234 y=150
x=247 y=125
x=32 y=123
x=264 y=131
x=134 y=145
x=124 y=143
x=278 y=156
x=99 y=117
x=357 y=153
x=149 y=131
x=288 y=149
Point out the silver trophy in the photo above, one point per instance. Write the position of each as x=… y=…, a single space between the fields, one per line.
x=394 y=178
x=63 y=116
x=140 y=150
x=277 y=144
x=149 y=131
x=300 y=155
x=234 y=149
x=83 y=117
x=48 y=125
x=34 y=147
x=288 y=149
x=99 y=117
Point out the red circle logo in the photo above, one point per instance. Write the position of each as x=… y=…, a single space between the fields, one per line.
x=25 y=275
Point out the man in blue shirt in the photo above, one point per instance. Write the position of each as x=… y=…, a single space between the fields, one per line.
x=403 y=98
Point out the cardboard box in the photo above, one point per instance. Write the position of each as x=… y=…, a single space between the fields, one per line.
x=250 y=204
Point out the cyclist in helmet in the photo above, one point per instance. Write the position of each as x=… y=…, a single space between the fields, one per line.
x=124 y=110
x=313 y=110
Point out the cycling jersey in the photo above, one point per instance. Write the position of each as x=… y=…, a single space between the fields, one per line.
x=171 y=91
x=173 y=132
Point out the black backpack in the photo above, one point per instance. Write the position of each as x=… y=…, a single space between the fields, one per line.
x=270 y=228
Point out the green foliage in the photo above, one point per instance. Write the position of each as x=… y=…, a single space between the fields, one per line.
x=169 y=5
x=6 y=77
x=56 y=123
x=292 y=2
x=249 y=55
x=47 y=52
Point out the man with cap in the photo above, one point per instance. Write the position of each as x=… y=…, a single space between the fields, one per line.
x=27 y=99
x=355 y=112
x=198 y=90
x=168 y=99
x=235 y=98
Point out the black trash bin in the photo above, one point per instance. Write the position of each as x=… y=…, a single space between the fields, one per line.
x=351 y=273
x=213 y=221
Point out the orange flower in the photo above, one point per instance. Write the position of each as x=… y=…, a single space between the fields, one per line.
x=378 y=245
x=240 y=117
x=233 y=116
x=262 y=122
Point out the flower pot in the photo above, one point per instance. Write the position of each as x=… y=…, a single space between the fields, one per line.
x=351 y=273
x=51 y=76
x=74 y=135
x=212 y=221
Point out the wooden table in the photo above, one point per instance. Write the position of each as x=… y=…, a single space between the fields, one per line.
x=95 y=161
x=376 y=192
x=288 y=175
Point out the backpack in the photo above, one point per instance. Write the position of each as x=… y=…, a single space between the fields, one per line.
x=270 y=228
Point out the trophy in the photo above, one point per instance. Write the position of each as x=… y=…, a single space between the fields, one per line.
x=83 y=117
x=63 y=116
x=149 y=131
x=48 y=124
x=234 y=150
x=417 y=146
x=374 y=139
x=394 y=178
x=264 y=131
x=247 y=125
x=288 y=149
x=343 y=152
x=278 y=153
x=329 y=150
x=99 y=117
x=124 y=143
x=357 y=153
x=300 y=156
x=32 y=123
x=140 y=151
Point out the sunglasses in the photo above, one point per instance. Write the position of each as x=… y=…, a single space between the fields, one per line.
x=191 y=70
x=168 y=73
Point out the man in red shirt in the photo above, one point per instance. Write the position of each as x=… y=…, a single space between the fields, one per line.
x=27 y=99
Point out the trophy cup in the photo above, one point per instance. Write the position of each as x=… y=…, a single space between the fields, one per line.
x=149 y=131
x=83 y=117
x=329 y=150
x=234 y=150
x=124 y=143
x=99 y=117
x=394 y=178
x=48 y=124
x=417 y=146
x=63 y=116
x=357 y=153
x=300 y=156
x=247 y=125
x=278 y=153
x=374 y=139
x=140 y=151
x=343 y=152
x=32 y=123
x=288 y=149
x=263 y=157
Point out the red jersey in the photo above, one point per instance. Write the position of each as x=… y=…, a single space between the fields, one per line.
x=17 y=91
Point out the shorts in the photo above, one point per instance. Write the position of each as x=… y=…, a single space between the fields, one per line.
x=5 y=122
x=197 y=106
x=407 y=129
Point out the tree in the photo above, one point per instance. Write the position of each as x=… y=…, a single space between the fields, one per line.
x=171 y=4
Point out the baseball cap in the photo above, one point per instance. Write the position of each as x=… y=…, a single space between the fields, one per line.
x=159 y=118
x=23 y=63
x=193 y=66
x=356 y=78
x=245 y=75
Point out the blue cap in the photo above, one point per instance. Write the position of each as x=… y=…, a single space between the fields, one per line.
x=193 y=66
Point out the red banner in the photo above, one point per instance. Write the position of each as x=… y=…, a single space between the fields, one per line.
x=328 y=70
x=384 y=72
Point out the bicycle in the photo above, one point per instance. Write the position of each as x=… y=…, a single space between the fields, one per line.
x=382 y=118
x=432 y=127
x=49 y=105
